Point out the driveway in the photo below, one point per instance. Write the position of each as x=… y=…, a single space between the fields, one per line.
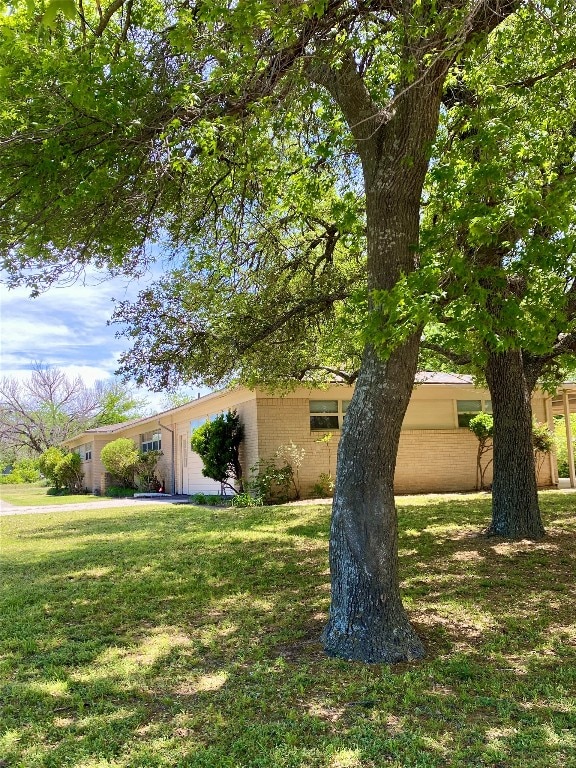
x=11 y=509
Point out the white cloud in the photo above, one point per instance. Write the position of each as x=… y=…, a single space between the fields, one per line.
x=66 y=328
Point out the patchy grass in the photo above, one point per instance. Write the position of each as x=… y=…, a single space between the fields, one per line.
x=178 y=636
x=39 y=495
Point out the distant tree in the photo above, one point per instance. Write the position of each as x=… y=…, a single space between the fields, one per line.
x=50 y=407
x=176 y=398
x=217 y=443
x=117 y=403
x=20 y=471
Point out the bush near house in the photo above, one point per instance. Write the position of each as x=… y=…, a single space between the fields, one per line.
x=129 y=466
x=217 y=442
x=276 y=480
x=120 y=458
x=62 y=469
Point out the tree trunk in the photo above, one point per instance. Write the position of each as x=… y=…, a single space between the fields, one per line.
x=367 y=620
x=515 y=509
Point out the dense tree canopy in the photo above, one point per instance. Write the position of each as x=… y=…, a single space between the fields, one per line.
x=254 y=141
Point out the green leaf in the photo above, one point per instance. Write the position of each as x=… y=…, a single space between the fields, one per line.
x=66 y=7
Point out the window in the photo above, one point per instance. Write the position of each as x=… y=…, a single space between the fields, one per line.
x=85 y=451
x=151 y=441
x=467 y=409
x=195 y=423
x=327 y=414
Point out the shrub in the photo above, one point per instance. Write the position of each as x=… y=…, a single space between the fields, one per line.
x=543 y=444
x=146 y=470
x=217 y=443
x=292 y=457
x=120 y=458
x=273 y=481
x=247 y=500
x=119 y=492
x=324 y=486
x=22 y=471
x=63 y=469
x=482 y=426
x=207 y=499
x=561 y=446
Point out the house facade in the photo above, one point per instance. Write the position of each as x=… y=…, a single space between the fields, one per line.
x=437 y=452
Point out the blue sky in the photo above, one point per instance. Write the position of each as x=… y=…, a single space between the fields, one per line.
x=65 y=328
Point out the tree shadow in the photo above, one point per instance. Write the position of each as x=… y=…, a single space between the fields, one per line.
x=192 y=640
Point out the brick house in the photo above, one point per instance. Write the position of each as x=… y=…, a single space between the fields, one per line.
x=437 y=451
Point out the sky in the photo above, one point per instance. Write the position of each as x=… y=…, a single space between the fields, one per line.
x=66 y=328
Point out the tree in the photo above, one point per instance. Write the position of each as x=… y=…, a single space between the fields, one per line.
x=120 y=458
x=116 y=403
x=49 y=407
x=141 y=134
x=217 y=443
x=500 y=223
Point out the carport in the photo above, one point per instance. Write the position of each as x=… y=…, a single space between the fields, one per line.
x=564 y=403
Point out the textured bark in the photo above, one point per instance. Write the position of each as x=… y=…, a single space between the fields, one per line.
x=515 y=508
x=367 y=620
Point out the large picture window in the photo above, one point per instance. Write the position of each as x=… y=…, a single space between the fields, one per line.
x=151 y=441
x=467 y=409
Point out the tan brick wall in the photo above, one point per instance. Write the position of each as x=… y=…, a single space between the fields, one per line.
x=430 y=459
x=434 y=455
x=437 y=461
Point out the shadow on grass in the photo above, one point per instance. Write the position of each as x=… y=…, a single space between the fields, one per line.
x=190 y=638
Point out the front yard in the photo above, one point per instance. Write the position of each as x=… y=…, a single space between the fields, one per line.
x=38 y=494
x=171 y=636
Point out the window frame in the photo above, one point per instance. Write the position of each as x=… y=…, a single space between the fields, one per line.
x=153 y=443
x=485 y=407
x=339 y=413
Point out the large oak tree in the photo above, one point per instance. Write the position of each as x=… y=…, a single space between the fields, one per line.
x=128 y=124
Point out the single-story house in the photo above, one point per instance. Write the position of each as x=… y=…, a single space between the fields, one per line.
x=437 y=450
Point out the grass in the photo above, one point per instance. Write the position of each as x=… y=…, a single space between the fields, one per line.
x=38 y=494
x=176 y=636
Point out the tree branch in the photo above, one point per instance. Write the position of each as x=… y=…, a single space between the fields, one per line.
x=530 y=82
x=454 y=357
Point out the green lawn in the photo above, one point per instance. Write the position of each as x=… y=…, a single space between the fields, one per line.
x=177 y=636
x=37 y=494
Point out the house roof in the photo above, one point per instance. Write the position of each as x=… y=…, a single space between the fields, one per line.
x=438 y=377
